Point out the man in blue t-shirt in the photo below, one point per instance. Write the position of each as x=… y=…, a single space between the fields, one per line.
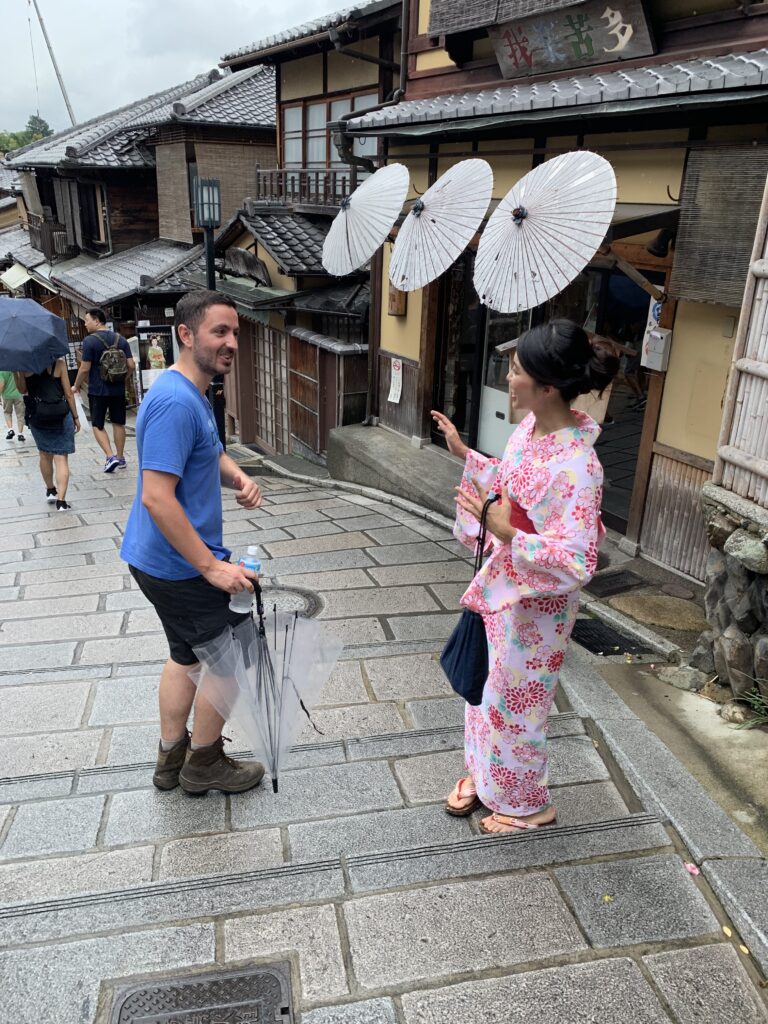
x=104 y=396
x=173 y=540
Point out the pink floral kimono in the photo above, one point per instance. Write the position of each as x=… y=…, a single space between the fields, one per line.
x=528 y=595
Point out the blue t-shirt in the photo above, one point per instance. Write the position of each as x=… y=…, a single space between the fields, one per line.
x=94 y=347
x=176 y=433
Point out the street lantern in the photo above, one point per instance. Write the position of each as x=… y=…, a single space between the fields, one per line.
x=207 y=200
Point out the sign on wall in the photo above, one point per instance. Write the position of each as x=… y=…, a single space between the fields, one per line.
x=574 y=37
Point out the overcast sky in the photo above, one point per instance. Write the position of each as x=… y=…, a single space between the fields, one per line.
x=111 y=52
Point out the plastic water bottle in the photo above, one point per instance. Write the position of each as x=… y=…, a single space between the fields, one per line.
x=241 y=602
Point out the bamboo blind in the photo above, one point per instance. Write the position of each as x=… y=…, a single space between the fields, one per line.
x=742 y=455
x=719 y=208
x=459 y=15
x=673 y=527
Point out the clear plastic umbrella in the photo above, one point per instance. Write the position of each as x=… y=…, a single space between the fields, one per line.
x=264 y=675
x=365 y=219
x=441 y=224
x=545 y=231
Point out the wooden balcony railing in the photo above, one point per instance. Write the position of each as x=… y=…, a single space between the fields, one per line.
x=50 y=238
x=307 y=186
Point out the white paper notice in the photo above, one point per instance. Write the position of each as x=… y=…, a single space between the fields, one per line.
x=396 y=386
x=148 y=377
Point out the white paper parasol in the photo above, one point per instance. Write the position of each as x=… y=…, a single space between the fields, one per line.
x=441 y=224
x=365 y=219
x=545 y=231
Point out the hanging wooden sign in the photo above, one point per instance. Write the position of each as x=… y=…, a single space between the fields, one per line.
x=591 y=34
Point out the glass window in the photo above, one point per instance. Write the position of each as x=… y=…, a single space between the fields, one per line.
x=293 y=155
x=369 y=100
x=292 y=119
x=317 y=116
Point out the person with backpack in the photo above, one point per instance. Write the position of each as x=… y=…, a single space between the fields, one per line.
x=53 y=421
x=107 y=363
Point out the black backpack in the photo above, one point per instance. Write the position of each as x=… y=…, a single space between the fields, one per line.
x=50 y=405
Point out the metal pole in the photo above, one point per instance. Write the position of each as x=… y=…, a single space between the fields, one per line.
x=55 y=65
x=210 y=266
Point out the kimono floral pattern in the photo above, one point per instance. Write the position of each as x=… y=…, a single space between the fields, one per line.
x=528 y=594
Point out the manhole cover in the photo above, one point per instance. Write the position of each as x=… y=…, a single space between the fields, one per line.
x=291 y=599
x=260 y=994
x=599 y=638
x=614 y=583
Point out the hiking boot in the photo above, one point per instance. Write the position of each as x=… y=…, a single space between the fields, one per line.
x=210 y=768
x=169 y=764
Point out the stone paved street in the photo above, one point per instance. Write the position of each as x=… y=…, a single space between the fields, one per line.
x=387 y=909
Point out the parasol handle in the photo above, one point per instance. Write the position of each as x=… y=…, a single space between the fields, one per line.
x=519 y=214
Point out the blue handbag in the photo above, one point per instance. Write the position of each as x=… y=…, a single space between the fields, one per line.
x=465 y=656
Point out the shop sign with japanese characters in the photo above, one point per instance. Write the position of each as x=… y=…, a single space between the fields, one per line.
x=574 y=37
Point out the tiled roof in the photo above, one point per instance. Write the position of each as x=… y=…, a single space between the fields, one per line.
x=6 y=202
x=8 y=179
x=244 y=98
x=110 y=140
x=115 y=277
x=14 y=243
x=294 y=241
x=176 y=278
x=734 y=71
x=311 y=28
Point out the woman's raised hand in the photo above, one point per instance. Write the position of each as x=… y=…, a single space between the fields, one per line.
x=455 y=445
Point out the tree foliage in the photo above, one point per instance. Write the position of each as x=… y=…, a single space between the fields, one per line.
x=37 y=128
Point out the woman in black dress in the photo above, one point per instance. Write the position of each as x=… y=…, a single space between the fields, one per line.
x=53 y=422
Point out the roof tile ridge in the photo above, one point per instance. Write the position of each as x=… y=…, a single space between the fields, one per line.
x=215 y=89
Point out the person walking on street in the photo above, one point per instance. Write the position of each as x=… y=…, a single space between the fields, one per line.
x=546 y=532
x=173 y=540
x=12 y=402
x=53 y=421
x=107 y=361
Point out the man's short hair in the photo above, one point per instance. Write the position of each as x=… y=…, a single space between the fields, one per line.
x=97 y=314
x=192 y=307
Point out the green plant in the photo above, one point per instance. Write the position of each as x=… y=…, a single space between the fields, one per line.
x=759 y=705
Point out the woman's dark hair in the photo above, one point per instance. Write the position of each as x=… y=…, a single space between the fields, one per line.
x=561 y=355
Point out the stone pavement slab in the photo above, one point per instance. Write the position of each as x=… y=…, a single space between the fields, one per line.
x=35 y=880
x=742 y=888
x=706 y=985
x=408 y=936
x=64 y=980
x=306 y=794
x=345 y=685
x=27 y=708
x=54 y=826
x=364 y=630
x=422 y=627
x=344 y=579
x=606 y=992
x=414 y=741
x=220 y=854
x=355 y=720
x=70 y=588
x=126 y=600
x=402 y=678
x=136 y=649
x=65 y=627
x=376 y=832
x=437 y=713
x=653 y=899
x=377 y=601
x=372 y=1011
x=49 y=752
x=144 y=815
x=333 y=560
x=448 y=571
x=493 y=854
x=171 y=901
x=39 y=655
x=402 y=554
x=311 y=932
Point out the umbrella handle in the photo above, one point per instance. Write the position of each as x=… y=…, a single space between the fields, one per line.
x=259 y=601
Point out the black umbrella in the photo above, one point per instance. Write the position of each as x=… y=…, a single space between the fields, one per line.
x=31 y=337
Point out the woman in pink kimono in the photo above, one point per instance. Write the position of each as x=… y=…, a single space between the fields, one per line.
x=545 y=530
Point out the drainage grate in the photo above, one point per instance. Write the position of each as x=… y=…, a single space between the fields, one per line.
x=614 y=583
x=226 y=997
x=600 y=638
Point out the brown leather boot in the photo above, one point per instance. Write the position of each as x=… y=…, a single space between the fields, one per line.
x=210 y=768
x=169 y=764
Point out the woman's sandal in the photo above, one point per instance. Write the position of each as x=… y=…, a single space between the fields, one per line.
x=462 y=812
x=512 y=825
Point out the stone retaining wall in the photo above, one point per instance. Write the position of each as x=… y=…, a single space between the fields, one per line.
x=736 y=596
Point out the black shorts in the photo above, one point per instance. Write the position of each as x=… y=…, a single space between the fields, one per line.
x=98 y=406
x=190 y=611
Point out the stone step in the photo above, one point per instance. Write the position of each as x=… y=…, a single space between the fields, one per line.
x=138 y=774
x=335 y=878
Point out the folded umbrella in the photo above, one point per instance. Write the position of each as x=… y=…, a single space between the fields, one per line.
x=264 y=675
x=31 y=337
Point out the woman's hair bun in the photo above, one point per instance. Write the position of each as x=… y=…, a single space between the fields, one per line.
x=561 y=355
